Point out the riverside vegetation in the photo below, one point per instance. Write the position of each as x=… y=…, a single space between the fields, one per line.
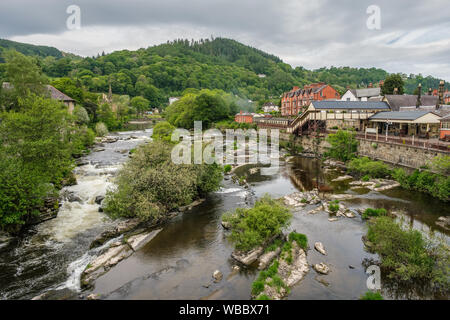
x=38 y=142
x=434 y=180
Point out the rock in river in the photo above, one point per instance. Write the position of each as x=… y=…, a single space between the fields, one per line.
x=249 y=257
x=138 y=241
x=217 y=275
x=321 y=268
x=319 y=247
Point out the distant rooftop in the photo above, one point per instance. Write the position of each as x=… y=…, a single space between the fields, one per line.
x=350 y=105
x=399 y=115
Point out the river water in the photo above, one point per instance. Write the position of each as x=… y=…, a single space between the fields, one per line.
x=178 y=263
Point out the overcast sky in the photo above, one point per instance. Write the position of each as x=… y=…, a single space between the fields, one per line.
x=414 y=36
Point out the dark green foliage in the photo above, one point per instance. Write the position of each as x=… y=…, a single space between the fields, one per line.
x=437 y=185
x=252 y=227
x=343 y=145
x=369 y=168
x=407 y=255
x=370 y=212
x=393 y=81
x=370 y=295
x=29 y=49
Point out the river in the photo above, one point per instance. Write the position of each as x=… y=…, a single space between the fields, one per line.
x=179 y=261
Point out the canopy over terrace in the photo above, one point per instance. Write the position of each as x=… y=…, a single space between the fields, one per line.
x=424 y=124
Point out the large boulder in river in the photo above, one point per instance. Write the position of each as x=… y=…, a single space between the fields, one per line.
x=249 y=257
x=136 y=242
x=266 y=258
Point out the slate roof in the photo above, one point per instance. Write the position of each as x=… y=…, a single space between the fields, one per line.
x=58 y=95
x=367 y=92
x=350 y=105
x=399 y=115
x=408 y=100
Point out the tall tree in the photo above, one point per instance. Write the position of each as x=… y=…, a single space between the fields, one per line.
x=393 y=81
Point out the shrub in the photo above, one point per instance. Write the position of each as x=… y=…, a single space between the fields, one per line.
x=263 y=297
x=147 y=187
x=365 y=166
x=365 y=178
x=252 y=227
x=441 y=164
x=369 y=212
x=227 y=168
x=343 y=145
x=407 y=255
x=101 y=129
x=369 y=295
x=300 y=238
x=257 y=287
x=333 y=206
x=163 y=131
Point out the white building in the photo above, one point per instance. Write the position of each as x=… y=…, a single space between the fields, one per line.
x=361 y=94
x=269 y=107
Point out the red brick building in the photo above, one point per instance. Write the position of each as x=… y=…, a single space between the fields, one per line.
x=243 y=117
x=294 y=101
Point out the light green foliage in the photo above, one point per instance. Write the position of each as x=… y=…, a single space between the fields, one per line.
x=407 y=254
x=370 y=212
x=252 y=227
x=227 y=168
x=370 y=295
x=343 y=145
x=150 y=184
x=441 y=164
x=35 y=147
x=101 y=129
x=81 y=116
x=140 y=104
x=366 y=167
x=300 y=238
x=333 y=206
x=163 y=131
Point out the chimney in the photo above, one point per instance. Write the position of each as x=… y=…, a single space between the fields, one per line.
x=419 y=93
x=395 y=90
x=441 y=92
x=430 y=91
x=370 y=85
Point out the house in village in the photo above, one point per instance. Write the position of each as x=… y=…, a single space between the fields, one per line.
x=444 y=130
x=53 y=93
x=361 y=94
x=418 y=123
x=295 y=101
x=398 y=102
x=337 y=115
x=270 y=107
x=243 y=117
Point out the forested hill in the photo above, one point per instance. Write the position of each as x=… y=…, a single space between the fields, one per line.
x=165 y=70
x=29 y=49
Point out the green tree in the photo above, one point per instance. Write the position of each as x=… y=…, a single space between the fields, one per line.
x=393 y=81
x=163 y=131
x=140 y=104
x=343 y=145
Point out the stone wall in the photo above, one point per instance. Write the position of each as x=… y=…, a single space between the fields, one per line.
x=408 y=156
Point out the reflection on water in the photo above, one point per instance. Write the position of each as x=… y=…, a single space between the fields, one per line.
x=179 y=262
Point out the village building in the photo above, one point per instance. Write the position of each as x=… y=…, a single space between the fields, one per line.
x=361 y=94
x=270 y=107
x=272 y=123
x=325 y=115
x=396 y=102
x=243 y=117
x=173 y=99
x=296 y=100
x=418 y=123
x=444 y=130
x=53 y=94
